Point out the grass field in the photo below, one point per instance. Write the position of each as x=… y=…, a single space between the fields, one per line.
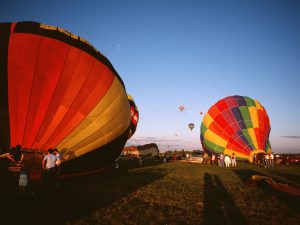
x=157 y=193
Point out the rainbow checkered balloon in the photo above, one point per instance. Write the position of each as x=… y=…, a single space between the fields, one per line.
x=236 y=124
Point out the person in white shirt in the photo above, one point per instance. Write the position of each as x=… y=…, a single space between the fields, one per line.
x=49 y=161
x=227 y=160
x=267 y=160
x=49 y=168
x=272 y=159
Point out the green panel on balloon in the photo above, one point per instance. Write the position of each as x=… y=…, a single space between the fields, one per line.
x=203 y=129
x=213 y=147
x=246 y=116
x=249 y=102
x=247 y=136
x=268 y=145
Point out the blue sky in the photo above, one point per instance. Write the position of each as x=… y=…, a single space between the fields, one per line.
x=190 y=53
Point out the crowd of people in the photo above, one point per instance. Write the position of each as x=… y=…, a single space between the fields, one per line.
x=50 y=165
x=266 y=159
x=224 y=160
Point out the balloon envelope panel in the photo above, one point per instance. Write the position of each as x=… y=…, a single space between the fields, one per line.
x=134 y=116
x=236 y=124
x=58 y=91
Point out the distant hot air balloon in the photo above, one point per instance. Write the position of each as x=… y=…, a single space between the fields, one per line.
x=181 y=108
x=201 y=113
x=237 y=125
x=134 y=116
x=191 y=126
x=58 y=91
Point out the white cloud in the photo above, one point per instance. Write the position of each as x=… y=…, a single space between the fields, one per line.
x=162 y=143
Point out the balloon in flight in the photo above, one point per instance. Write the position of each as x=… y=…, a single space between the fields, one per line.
x=191 y=126
x=181 y=108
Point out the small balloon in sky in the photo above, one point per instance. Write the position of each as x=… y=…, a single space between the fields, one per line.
x=191 y=126
x=181 y=108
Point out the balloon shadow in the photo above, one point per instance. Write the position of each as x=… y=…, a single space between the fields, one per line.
x=79 y=197
x=219 y=207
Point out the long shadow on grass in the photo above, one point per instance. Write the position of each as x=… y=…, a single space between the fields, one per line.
x=78 y=198
x=291 y=201
x=246 y=175
x=219 y=207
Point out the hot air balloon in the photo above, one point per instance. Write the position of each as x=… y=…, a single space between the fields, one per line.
x=236 y=124
x=201 y=113
x=181 y=108
x=191 y=126
x=58 y=91
x=134 y=116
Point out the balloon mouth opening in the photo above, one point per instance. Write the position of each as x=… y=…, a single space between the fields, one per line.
x=256 y=151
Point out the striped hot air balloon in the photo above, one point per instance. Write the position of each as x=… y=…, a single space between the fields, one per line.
x=134 y=116
x=236 y=124
x=58 y=91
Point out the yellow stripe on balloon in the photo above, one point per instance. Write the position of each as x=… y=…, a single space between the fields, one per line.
x=110 y=131
x=214 y=138
x=253 y=137
x=237 y=154
x=129 y=97
x=258 y=105
x=254 y=118
x=103 y=124
x=207 y=120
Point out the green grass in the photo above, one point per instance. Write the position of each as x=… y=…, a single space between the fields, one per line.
x=170 y=193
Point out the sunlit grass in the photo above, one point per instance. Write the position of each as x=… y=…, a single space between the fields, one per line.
x=184 y=193
x=176 y=193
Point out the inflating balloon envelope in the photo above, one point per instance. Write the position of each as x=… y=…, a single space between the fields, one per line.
x=236 y=124
x=58 y=91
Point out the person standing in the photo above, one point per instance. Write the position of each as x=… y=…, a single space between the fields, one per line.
x=219 y=161
x=212 y=159
x=267 y=160
x=222 y=160
x=227 y=160
x=16 y=155
x=49 y=167
x=58 y=156
x=272 y=159
x=23 y=182
x=233 y=160
x=254 y=158
x=140 y=161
